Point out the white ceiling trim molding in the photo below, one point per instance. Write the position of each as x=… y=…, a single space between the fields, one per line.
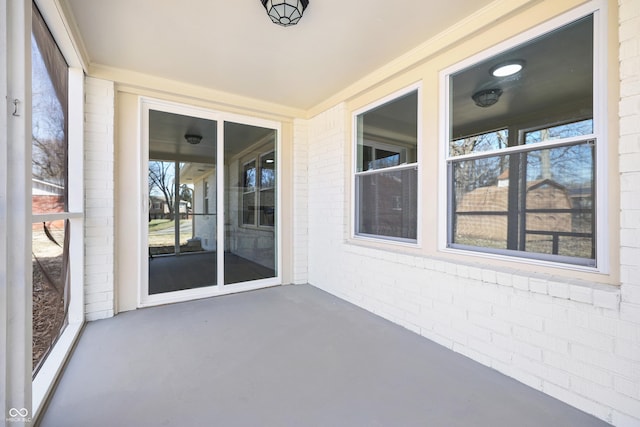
x=56 y=14
x=472 y=24
x=140 y=82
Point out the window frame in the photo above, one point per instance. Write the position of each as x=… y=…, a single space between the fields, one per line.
x=205 y=196
x=261 y=189
x=245 y=192
x=599 y=135
x=257 y=189
x=45 y=378
x=365 y=237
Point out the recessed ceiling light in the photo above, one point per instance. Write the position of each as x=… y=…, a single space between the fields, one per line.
x=269 y=161
x=507 y=68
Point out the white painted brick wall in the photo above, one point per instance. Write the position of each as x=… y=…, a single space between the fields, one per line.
x=626 y=351
x=574 y=340
x=326 y=193
x=301 y=201
x=99 y=198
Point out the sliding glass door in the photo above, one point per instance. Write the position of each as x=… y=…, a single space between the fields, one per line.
x=211 y=219
x=250 y=203
x=182 y=184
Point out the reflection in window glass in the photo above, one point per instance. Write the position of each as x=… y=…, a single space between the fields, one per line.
x=250 y=208
x=481 y=200
x=267 y=170
x=49 y=162
x=519 y=199
x=162 y=211
x=387 y=137
x=548 y=209
x=267 y=207
x=388 y=203
x=568 y=130
x=249 y=181
x=49 y=79
x=249 y=193
x=50 y=251
x=478 y=143
x=267 y=194
x=381 y=159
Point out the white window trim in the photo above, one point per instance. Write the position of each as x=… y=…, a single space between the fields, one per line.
x=15 y=227
x=599 y=10
x=362 y=237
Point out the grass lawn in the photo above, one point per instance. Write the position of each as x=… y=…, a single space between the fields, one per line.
x=162 y=232
x=160 y=224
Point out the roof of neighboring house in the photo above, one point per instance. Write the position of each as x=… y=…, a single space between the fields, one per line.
x=43 y=188
x=494 y=198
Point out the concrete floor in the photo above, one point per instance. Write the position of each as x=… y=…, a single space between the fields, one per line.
x=284 y=356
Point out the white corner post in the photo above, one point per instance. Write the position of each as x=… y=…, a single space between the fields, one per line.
x=15 y=213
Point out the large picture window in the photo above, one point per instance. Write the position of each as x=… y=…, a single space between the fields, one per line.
x=521 y=157
x=50 y=191
x=386 y=170
x=56 y=182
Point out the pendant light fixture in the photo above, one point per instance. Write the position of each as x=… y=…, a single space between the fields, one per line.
x=193 y=139
x=285 y=12
x=486 y=98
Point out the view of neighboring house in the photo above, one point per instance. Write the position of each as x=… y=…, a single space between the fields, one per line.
x=47 y=197
x=159 y=209
x=483 y=212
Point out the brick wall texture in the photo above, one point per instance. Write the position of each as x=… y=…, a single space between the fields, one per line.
x=300 y=201
x=99 y=198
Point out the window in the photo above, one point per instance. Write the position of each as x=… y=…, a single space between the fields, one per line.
x=258 y=192
x=50 y=190
x=267 y=189
x=386 y=169
x=249 y=193
x=521 y=157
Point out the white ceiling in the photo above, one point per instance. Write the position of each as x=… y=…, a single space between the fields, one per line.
x=232 y=46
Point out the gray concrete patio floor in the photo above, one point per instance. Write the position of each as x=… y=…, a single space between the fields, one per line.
x=284 y=356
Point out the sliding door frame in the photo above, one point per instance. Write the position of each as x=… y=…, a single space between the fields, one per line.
x=144 y=298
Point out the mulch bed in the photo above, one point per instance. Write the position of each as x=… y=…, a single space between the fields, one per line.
x=48 y=307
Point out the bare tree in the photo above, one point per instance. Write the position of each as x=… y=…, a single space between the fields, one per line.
x=481 y=172
x=49 y=144
x=161 y=177
x=49 y=160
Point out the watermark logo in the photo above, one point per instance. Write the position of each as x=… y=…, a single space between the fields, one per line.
x=19 y=415
x=13 y=412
